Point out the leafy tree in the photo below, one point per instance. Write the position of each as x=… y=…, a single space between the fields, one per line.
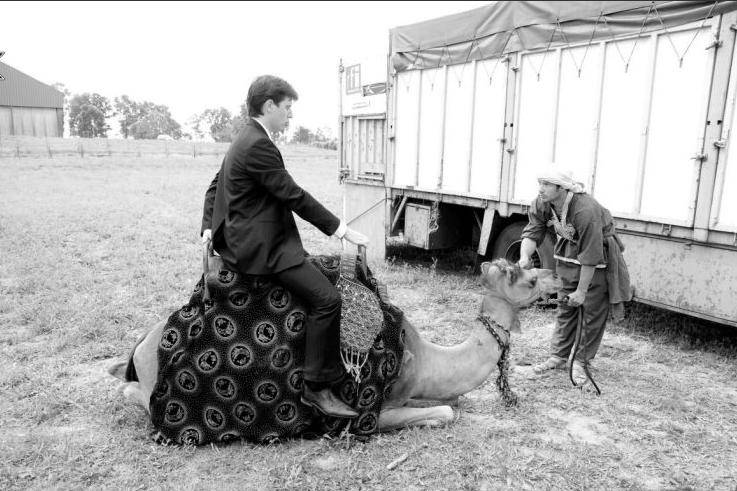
x=237 y=125
x=303 y=135
x=145 y=120
x=218 y=123
x=87 y=115
x=128 y=112
x=156 y=121
x=324 y=138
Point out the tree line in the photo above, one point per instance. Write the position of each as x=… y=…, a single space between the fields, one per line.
x=222 y=126
x=89 y=114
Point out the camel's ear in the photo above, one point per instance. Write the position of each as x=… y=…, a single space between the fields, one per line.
x=407 y=363
x=118 y=369
x=510 y=270
x=486 y=269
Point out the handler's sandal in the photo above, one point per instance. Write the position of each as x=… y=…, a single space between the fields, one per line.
x=552 y=363
x=579 y=374
x=324 y=402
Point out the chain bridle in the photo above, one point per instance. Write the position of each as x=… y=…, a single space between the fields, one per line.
x=502 y=381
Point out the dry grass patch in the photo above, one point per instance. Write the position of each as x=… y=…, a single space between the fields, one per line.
x=96 y=250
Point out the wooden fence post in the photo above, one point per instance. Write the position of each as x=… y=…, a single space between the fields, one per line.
x=48 y=148
x=81 y=148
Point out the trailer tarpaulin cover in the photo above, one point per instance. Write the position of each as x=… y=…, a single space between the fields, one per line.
x=507 y=27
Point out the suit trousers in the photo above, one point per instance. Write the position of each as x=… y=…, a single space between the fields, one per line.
x=322 y=326
x=596 y=311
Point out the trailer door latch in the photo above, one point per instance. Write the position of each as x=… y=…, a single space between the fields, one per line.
x=720 y=143
x=699 y=156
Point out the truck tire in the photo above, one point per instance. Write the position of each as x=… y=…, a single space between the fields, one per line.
x=507 y=245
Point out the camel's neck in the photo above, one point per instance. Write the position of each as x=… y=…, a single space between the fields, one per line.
x=448 y=372
x=501 y=311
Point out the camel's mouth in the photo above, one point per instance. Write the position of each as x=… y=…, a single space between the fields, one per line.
x=548 y=282
x=543 y=284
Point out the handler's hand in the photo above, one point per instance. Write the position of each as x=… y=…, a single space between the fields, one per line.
x=355 y=237
x=576 y=298
x=206 y=235
x=525 y=263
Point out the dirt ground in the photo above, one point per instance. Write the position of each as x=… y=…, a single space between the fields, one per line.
x=96 y=250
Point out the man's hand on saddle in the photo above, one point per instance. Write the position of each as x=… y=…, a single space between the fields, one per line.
x=576 y=298
x=355 y=237
x=206 y=236
x=525 y=262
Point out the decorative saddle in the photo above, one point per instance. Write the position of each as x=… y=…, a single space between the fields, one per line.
x=230 y=360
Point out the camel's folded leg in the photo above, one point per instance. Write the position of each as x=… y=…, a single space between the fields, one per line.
x=431 y=402
x=400 y=417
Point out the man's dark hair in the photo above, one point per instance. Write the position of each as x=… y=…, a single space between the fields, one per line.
x=264 y=88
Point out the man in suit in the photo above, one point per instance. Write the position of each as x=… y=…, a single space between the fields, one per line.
x=248 y=214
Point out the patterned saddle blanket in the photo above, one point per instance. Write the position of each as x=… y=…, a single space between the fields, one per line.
x=231 y=367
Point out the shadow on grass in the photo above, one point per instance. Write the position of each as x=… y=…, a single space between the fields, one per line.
x=680 y=330
x=462 y=260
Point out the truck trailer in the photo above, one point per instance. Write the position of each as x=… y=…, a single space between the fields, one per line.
x=443 y=146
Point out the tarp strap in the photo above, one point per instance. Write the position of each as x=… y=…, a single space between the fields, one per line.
x=578 y=66
x=698 y=31
x=474 y=42
x=639 y=34
x=501 y=56
x=417 y=55
x=545 y=53
x=440 y=63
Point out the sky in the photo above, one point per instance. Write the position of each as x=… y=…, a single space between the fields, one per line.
x=192 y=56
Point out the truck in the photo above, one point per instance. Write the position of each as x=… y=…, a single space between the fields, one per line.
x=441 y=140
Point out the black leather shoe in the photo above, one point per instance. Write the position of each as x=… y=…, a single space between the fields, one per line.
x=325 y=402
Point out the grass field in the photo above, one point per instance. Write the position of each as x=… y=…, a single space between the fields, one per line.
x=94 y=251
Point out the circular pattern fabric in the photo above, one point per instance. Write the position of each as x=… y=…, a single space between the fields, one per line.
x=231 y=368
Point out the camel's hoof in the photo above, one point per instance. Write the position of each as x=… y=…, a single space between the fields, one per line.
x=445 y=415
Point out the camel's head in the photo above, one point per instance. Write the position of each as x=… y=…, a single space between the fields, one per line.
x=518 y=286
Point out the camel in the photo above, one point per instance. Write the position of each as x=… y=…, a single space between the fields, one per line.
x=429 y=372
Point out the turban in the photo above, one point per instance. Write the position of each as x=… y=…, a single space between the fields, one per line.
x=563 y=178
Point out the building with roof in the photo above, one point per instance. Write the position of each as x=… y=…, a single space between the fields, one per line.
x=29 y=107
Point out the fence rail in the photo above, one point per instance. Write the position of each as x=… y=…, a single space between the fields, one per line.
x=28 y=146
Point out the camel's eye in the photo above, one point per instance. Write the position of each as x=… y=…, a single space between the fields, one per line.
x=532 y=282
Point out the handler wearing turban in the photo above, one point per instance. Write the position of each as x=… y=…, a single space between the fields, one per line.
x=589 y=260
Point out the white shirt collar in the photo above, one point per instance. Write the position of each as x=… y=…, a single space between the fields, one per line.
x=264 y=127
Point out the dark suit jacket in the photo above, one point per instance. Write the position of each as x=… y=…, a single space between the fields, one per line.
x=249 y=205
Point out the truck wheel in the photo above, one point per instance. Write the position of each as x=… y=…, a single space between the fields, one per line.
x=507 y=245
